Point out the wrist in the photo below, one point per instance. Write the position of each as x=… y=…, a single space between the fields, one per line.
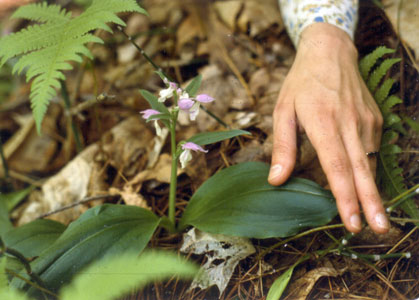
x=326 y=39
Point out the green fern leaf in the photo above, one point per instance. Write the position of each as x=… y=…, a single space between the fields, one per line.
x=370 y=60
x=45 y=50
x=383 y=91
x=389 y=103
x=388 y=172
x=379 y=73
x=390 y=120
x=42 y=13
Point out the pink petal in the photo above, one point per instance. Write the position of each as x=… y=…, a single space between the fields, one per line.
x=204 y=98
x=186 y=104
x=193 y=146
x=149 y=112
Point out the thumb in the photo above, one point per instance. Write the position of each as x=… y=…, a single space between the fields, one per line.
x=284 y=146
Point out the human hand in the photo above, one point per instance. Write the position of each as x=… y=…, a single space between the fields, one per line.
x=8 y=4
x=325 y=95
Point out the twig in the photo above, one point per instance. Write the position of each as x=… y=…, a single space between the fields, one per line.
x=83 y=201
x=20 y=257
x=402 y=195
x=266 y=251
x=14 y=274
x=89 y=103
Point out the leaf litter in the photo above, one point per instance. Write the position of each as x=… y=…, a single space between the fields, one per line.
x=243 y=52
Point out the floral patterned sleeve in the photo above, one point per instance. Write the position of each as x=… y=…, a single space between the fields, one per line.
x=298 y=14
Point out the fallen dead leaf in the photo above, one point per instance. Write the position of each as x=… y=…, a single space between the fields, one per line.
x=305 y=284
x=223 y=253
x=406 y=15
x=68 y=186
x=130 y=197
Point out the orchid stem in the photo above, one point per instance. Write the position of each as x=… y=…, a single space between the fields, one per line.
x=173 y=176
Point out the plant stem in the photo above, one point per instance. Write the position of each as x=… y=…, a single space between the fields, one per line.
x=66 y=98
x=3 y=161
x=402 y=195
x=173 y=175
x=266 y=251
x=22 y=259
x=14 y=274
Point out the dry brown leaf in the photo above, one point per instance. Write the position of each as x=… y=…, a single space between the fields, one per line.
x=228 y=11
x=160 y=172
x=28 y=152
x=67 y=187
x=127 y=145
x=305 y=284
x=252 y=13
x=223 y=253
x=130 y=197
x=188 y=30
x=408 y=18
x=252 y=152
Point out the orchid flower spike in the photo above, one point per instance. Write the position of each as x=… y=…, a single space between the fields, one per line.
x=167 y=92
x=186 y=155
x=192 y=104
x=151 y=112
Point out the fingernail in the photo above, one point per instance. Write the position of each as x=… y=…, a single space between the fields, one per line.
x=381 y=221
x=355 y=221
x=275 y=172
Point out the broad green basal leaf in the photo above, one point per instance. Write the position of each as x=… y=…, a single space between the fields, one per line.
x=101 y=231
x=115 y=276
x=239 y=201
x=33 y=238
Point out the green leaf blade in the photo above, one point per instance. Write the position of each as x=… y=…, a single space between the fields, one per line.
x=239 y=201
x=117 y=275
x=206 y=138
x=154 y=102
x=193 y=86
x=99 y=232
x=34 y=237
x=279 y=285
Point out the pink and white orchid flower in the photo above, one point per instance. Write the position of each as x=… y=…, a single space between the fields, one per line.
x=191 y=105
x=167 y=92
x=186 y=155
x=151 y=112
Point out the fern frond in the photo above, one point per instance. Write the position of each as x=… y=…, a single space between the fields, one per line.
x=370 y=60
x=389 y=103
x=43 y=13
x=388 y=172
x=46 y=49
x=379 y=72
x=383 y=91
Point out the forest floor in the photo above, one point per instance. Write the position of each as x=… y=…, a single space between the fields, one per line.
x=243 y=52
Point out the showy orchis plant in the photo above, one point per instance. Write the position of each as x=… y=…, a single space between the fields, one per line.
x=183 y=99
